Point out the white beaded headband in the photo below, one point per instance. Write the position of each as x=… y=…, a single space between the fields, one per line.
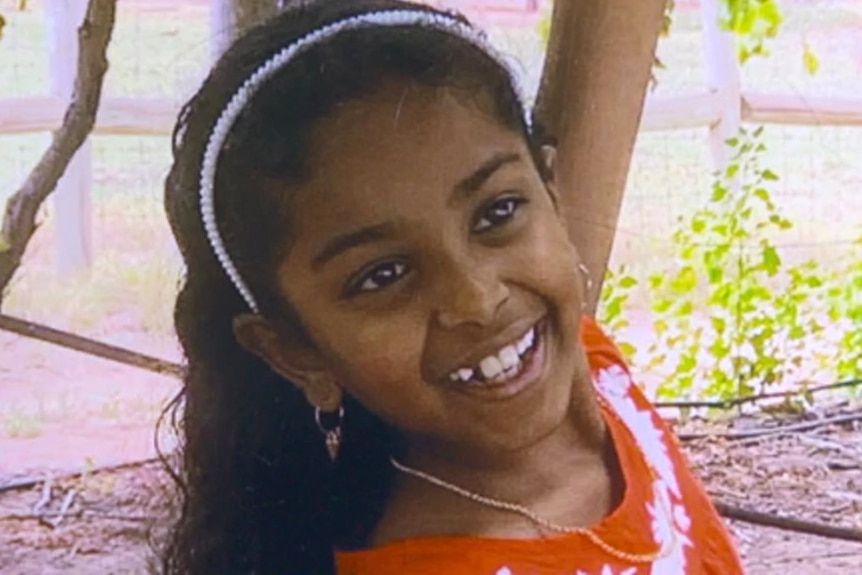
x=384 y=19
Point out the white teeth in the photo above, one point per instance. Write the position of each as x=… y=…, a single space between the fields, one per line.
x=506 y=363
x=491 y=367
x=508 y=356
x=526 y=342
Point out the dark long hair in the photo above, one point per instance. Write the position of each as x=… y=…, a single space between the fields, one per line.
x=257 y=492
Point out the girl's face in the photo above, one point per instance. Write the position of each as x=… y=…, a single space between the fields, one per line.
x=433 y=274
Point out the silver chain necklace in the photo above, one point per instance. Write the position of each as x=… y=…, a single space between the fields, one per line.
x=525 y=512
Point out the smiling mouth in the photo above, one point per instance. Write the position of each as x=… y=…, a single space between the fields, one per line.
x=507 y=365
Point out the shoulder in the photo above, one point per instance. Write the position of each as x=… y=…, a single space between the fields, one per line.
x=610 y=369
x=692 y=513
x=600 y=349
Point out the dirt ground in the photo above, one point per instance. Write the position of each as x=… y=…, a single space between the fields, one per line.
x=111 y=517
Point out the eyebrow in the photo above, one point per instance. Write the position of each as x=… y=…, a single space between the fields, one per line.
x=478 y=178
x=340 y=244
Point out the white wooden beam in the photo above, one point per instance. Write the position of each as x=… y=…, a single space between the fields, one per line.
x=156 y=116
x=681 y=112
x=117 y=116
x=722 y=76
x=72 y=197
x=800 y=110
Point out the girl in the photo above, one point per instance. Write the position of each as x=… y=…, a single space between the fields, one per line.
x=388 y=368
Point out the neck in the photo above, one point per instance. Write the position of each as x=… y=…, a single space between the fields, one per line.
x=567 y=476
x=518 y=475
x=546 y=462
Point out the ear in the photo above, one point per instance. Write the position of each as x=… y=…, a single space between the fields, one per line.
x=292 y=357
x=549 y=156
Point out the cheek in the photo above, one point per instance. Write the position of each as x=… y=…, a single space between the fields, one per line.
x=376 y=358
x=550 y=260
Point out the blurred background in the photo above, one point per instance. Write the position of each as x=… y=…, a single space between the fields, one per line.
x=103 y=265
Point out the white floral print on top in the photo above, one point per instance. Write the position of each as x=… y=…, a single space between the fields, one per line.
x=670 y=520
x=608 y=570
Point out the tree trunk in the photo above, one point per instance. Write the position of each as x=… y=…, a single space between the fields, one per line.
x=19 y=220
x=600 y=57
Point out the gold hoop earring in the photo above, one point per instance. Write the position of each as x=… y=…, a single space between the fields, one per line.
x=331 y=433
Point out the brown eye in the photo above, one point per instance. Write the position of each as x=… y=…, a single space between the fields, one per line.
x=498 y=213
x=378 y=277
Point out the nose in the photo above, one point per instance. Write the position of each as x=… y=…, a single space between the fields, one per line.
x=470 y=295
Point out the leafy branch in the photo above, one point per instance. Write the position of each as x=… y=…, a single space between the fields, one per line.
x=731 y=317
x=753 y=22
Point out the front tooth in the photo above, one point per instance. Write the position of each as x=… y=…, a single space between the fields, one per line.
x=530 y=338
x=491 y=367
x=509 y=357
x=465 y=374
x=522 y=344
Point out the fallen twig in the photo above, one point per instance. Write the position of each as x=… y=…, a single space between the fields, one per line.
x=45 y=499
x=29 y=482
x=89 y=346
x=64 y=508
x=762 y=431
x=737 y=401
x=788 y=523
x=80 y=514
x=831 y=554
x=821 y=444
x=842 y=465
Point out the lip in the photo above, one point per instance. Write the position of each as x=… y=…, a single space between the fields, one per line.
x=508 y=337
x=533 y=372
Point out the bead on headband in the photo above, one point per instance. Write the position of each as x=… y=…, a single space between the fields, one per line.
x=382 y=19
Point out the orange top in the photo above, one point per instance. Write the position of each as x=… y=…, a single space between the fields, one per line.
x=664 y=508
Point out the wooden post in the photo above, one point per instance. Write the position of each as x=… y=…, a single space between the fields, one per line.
x=72 y=197
x=722 y=73
x=228 y=18
x=221 y=24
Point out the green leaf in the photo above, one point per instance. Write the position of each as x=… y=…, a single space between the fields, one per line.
x=628 y=349
x=685 y=281
x=628 y=282
x=731 y=171
x=810 y=59
x=813 y=281
x=687 y=363
x=613 y=308
x=769 y=175
x=718 y=193
x=771 y=260
x=715 y=275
